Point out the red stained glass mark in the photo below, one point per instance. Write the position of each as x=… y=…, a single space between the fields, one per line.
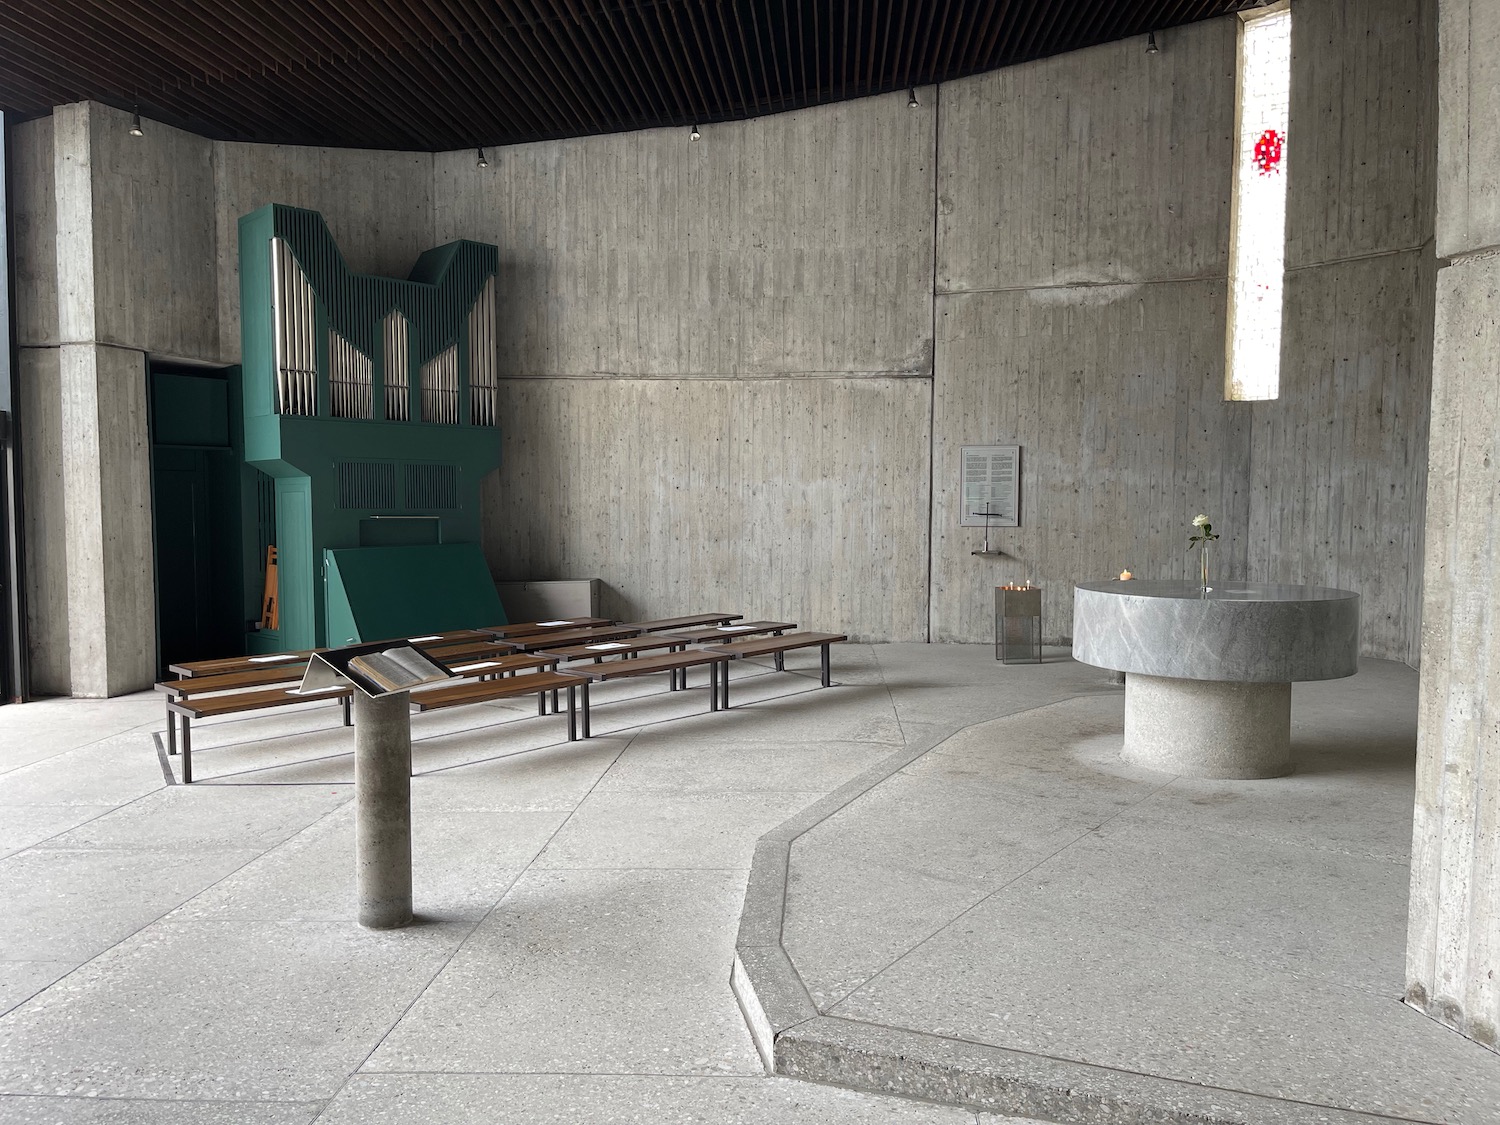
x=1267 y=155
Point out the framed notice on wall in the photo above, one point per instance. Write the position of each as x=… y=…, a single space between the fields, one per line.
x=990 y=491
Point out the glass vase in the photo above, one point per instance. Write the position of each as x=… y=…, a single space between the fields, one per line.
x=1203 y=550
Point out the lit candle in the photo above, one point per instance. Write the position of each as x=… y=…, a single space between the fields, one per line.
x=1125 y=576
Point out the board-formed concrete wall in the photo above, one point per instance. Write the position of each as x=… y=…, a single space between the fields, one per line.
x=1340 y=457
x=1082 y=257
x=1453 y=945
x=719 y=357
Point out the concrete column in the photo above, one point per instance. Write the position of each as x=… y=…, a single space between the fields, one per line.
x=111 y=597
x=382 y=786
x=1453 y=940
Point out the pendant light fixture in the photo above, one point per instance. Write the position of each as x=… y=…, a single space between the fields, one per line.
x=482 y=162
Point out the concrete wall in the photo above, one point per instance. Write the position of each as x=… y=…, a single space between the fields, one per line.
x=1340 y=458
x=719 y=356
x=1082 y=257
x=1453 y=947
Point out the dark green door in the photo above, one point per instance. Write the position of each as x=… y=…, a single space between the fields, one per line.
x=195 y=494
x=184 y=555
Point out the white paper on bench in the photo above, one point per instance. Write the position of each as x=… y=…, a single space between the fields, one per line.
x=433 y=637
x=475 y=667
x=733 y=628
x=313 y=690
x=274 y=659
x=549 y=624
x=608 y=644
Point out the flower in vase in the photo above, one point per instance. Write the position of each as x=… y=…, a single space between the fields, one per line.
x=1206 y=533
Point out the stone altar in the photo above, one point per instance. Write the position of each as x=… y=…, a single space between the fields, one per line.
x=1209 y=673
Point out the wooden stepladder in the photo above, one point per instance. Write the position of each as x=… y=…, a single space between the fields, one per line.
x=270 y=605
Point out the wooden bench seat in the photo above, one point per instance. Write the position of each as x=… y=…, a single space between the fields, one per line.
x=539 y=684
x=229 y=664
x=497 y=662
x=739 y=629
x=562 y=637
x=668 y=623
x=674 y=662
x=530 y=628
x=233 y=681
x=207 y=706
x=729 y=632
x=778 y=647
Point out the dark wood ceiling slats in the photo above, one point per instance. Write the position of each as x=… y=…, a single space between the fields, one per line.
x=430 y=75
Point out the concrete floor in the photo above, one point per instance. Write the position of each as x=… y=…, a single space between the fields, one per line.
x=1016 y=912
x=187 y=954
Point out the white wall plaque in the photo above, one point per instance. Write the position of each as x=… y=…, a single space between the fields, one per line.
x=991 y=487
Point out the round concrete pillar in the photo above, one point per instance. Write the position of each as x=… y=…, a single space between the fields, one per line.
x=382 y=794
x=1208 y=728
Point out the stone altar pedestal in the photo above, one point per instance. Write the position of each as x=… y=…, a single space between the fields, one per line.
x=1208 y=690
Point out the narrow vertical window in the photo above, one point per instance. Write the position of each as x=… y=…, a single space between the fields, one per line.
x=1257 y=248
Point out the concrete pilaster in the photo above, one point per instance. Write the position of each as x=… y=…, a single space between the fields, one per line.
x=1453 y=942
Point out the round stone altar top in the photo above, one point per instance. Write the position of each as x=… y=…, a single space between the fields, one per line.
x=1246 y=632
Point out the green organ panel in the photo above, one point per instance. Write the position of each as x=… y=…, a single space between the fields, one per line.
x=373 y=404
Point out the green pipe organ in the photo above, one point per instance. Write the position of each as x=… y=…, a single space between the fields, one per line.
x=371 y=405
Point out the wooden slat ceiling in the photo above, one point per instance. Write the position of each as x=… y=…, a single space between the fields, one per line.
x=430 y=75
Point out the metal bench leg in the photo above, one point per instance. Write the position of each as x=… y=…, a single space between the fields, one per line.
x=713 y=686
x=554 y=701
x=348 y=720
x=171 y=732
x=826 y=680
x=584 y=687
x=541 y=703
x=572 y=715
x=187 y=752
x=724 y=703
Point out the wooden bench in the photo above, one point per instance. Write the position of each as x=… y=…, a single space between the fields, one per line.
x=500 y=661
x=230 y=664
x=530 y=628
x=776 y=646
x=564 y=637
x=667 y=623
x=484 y=691
x=673 y=662
x=199 y=704
x=742 y=629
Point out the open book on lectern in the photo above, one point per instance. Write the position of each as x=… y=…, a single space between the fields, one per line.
x=376 y=669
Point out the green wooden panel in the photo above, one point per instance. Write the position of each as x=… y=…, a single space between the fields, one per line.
x=378 y=593
x=295 y=584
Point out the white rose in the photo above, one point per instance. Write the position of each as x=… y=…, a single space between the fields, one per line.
x=1200 y=521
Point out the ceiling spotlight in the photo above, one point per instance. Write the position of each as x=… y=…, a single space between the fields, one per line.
x=135 y=124
x=911 y=98
x=695 y=135
x=482 y=162
x=1151 y=47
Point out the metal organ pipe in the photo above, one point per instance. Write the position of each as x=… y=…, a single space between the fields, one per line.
x=484 y=375
x=440 y=387
x=397 y=368
x=351 y=378
x=294 y=315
